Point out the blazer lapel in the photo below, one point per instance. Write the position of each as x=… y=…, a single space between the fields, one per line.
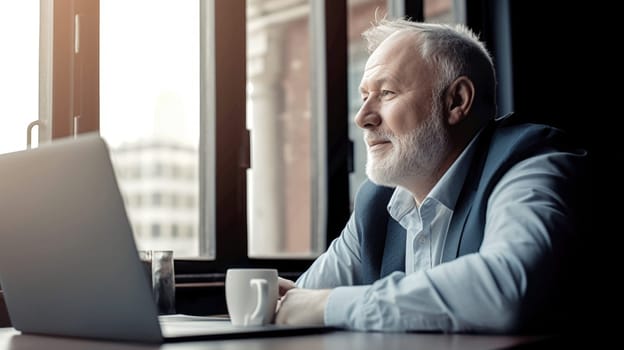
x=458 y=222
x=394 y=251
x=455 y=234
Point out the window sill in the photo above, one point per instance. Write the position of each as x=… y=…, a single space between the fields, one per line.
x=187 y=285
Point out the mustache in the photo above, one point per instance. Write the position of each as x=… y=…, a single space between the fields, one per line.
x=372 y=137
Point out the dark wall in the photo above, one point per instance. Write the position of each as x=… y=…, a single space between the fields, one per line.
x=553 y=69
x=562 y=75
x=558 y=73
x=553 y=50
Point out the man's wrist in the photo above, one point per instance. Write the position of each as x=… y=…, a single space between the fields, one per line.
x=322 y=305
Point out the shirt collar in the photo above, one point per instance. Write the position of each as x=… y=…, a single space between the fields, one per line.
x=445 y=191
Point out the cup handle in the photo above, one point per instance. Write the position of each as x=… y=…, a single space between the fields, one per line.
x=262 y=290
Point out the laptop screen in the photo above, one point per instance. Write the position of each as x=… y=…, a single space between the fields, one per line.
x=68 y=262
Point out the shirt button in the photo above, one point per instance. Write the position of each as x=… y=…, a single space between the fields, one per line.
x=422 y=240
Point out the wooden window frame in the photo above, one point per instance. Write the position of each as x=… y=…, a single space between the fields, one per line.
x=75 y=68
x=75 y=109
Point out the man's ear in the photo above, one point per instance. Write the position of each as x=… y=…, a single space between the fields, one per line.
x=458 y=99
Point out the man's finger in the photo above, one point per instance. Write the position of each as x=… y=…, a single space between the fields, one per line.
x=285 y=285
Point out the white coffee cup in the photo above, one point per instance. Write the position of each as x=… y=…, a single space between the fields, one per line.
x=251 y=296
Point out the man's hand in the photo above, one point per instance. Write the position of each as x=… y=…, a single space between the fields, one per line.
x=285 y=285
x=302 y=307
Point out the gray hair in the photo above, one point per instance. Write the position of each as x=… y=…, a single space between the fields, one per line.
x=454 y=50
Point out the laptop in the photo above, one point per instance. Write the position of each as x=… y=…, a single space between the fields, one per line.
x=69 y=264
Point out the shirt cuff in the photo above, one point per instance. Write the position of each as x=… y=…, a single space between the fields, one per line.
x=341 y=304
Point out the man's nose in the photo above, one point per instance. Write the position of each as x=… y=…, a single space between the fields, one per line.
x=368 y=116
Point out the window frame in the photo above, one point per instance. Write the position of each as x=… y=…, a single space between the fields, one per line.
x=223 y=194
x=75 y=79
x=231 y=163
x=222 y=167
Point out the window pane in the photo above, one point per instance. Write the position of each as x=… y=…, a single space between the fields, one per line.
x=361 y=15
x=149 y=115
x=19 y=72
x=439 y=11
x=280 y=119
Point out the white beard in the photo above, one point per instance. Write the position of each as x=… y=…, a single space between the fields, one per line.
x=416 y=154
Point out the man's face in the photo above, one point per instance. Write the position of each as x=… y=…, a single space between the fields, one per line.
x=403 y=123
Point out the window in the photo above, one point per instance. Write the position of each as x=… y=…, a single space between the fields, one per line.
x=19 y=72
x=149 y=109
x=232 y=142
x=281 y=120
x=138 y=199
x=154 y=93
x=158 y=169
x=175 y=171
x=138 y=230
x=442 y=11
x=156 y=199
x=156 y=230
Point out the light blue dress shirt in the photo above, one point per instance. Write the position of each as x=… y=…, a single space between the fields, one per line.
x=471 y=293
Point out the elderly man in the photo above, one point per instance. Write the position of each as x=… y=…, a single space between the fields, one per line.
x=466 y=218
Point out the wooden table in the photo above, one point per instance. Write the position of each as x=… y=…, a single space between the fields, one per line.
x=13 y=340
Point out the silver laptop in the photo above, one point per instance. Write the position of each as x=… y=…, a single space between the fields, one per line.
x=68 y=260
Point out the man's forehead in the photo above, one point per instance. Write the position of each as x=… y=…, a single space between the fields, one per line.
x=395 y=46
x=402 y=38
x=397 y=52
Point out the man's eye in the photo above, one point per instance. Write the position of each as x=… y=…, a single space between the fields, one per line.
x=386 y=93
x=364 y=98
